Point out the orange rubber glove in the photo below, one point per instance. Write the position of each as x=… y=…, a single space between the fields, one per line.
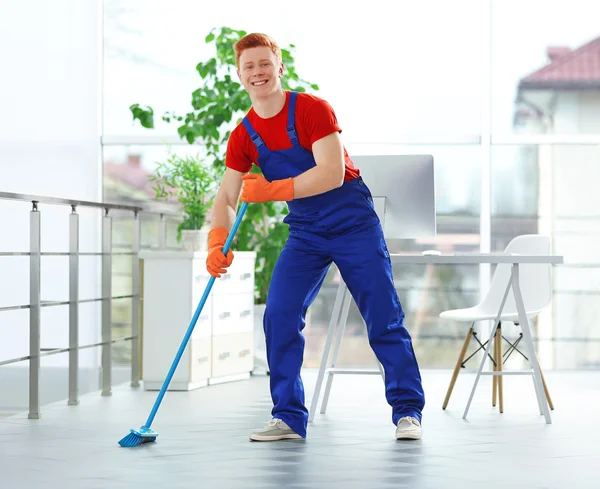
x=258 y=189
x=216 y=261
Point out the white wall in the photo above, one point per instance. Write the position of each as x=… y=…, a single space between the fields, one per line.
x=577 y=112
x=50 y=125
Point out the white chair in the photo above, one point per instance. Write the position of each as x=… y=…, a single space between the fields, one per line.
x=536 y=287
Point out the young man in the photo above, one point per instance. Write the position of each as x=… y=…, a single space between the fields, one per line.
x=295 y=140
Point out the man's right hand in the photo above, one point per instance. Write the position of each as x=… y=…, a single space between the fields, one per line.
x=216 y=261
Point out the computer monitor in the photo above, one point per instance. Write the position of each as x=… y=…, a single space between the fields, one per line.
x=403 y=190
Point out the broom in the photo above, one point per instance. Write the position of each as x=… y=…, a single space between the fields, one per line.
x=145 y=434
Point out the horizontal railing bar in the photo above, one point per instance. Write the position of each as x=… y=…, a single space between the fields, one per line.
x=13 y=308
x=58 y=201
x=14 y=360
x=96 y=299
x=64 y=303
x=115 y=340
x=43 y=199
x=55 y=351
x=66 y=253
x=45 y=352
x=114 y=297
x=53 y=303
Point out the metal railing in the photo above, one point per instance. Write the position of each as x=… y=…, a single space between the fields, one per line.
x=106 y=298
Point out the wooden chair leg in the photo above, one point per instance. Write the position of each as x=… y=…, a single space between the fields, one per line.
x=499 y=361
x=495 y=368
x=546 y=391
x=461 y=358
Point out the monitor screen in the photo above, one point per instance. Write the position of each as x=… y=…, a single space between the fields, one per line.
x=403 y=190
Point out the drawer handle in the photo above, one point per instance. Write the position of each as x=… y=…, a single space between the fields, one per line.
x=225 y=277
x=204 y=317
x=244 y=353
x=201 y=278
x=245 y=276
x=202 y=359
x=245 y=313
x=224 y=355
x=224 y=315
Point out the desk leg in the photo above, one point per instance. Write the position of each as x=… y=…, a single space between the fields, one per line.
x=341 y=327
x=487 y=350
x=537 y=374
x=333 y=323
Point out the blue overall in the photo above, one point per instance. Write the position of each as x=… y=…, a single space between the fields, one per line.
x=339 y=226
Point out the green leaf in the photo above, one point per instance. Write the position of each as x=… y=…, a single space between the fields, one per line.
x=144 y=115
x=209 y=38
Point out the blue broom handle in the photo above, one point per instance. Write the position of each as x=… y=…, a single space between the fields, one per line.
x=192 y=325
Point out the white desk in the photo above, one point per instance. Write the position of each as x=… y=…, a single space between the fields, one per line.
x=342 y=306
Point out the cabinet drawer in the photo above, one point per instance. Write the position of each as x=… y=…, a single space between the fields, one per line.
x=224 y=315
x=203 y=328
x=224 y=356
x=244 y=313
x=244 y=350
x=232 y=354
x=200 y=359
x=233 y=313
x=239 y=278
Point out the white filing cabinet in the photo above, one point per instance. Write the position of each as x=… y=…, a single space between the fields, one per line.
x=221 y=346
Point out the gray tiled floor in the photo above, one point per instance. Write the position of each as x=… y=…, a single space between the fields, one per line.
x=204 y=443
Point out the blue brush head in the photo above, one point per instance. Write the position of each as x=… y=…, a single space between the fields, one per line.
x=137 y=437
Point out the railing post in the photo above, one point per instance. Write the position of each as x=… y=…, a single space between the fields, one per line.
x=73 y=307
x=34 y=311
x=106 y=303
x=135 y=300
x=162 y=233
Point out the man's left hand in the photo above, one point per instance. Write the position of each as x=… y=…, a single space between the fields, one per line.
x=258 y=189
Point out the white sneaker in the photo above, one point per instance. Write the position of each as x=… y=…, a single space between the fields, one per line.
x=408 y=428
x=276 y=429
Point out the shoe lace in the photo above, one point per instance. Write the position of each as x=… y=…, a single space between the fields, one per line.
x=274 y=422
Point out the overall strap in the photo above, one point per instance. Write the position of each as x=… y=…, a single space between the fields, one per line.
x=291 y=129
x=256 y=139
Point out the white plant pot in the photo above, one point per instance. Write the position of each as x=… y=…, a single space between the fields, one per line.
x=194 y=239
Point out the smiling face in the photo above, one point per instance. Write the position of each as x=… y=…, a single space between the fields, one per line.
x=260 y=71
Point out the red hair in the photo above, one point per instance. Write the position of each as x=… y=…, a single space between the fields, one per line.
x=255 y=40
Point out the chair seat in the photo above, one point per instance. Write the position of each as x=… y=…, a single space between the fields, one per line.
x=478 y=313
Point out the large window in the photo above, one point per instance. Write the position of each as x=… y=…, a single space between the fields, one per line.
x=543 y=74
x=433 y=77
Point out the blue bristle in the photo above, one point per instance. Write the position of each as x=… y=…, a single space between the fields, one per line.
x=131 y=440
x=137 y=437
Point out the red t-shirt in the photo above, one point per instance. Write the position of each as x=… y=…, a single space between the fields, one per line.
x=314 y=120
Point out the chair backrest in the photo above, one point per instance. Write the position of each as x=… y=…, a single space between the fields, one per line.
x=534 y=279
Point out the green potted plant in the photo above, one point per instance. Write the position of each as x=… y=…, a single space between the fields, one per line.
x=217 y=107
x=194 y=184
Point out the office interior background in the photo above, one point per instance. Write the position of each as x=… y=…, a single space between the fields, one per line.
x=504 y=94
